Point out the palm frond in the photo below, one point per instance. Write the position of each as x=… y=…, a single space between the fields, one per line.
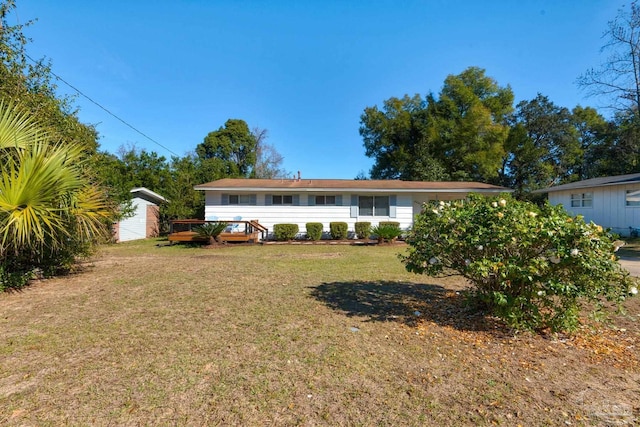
x=17 y=129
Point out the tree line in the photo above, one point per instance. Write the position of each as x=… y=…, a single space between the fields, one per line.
x=232 y=151
x=471 y=129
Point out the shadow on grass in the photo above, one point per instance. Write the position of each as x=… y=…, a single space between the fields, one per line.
x=401 y=301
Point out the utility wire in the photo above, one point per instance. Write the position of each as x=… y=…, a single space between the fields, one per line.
x=103 y=108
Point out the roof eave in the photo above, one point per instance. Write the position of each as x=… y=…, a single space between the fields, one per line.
x=358 y=190
x=582 y=187
x=149 y=193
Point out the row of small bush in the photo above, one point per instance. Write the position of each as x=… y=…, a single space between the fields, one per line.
x=384 y=231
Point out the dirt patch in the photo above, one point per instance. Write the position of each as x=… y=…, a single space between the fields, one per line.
x=321 y=255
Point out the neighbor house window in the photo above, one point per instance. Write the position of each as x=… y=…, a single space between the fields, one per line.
x=373 y=205
x=282 y=200
x=239 y=199
x=581 y=200
x=325 y=200
x=633 y=198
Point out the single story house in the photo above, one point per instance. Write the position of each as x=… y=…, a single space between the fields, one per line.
x=612 y=201
x=145 y=221
x=298 y=201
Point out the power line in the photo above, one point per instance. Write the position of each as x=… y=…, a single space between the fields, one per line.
x=104 y=108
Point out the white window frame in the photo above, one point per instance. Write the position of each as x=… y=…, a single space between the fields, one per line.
x=632 y=203
x=282 y=199
x=324 y=200
x=375 y=206
x=240 y=199
x=582 y=200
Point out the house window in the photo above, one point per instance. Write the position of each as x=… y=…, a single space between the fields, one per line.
x=581 y=200
x=373 y=205
x=239 y=199
x=633 y=198
x=282 y=200
x=325 y=200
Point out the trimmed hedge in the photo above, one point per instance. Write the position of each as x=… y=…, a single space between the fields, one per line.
x=284 y=232
x=338 y=230
x=391 y=223
x=363 y=230
x=314 y=230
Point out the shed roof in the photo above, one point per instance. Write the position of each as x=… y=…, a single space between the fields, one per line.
x=155 y=197
x=320 y=185
x=593 y=182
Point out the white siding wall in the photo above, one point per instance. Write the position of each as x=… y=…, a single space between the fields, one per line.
x=609 y=207
x=268 y=215
x=135 y=227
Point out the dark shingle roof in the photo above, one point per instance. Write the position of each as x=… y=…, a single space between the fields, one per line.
x=348 y=184
x=594 y=182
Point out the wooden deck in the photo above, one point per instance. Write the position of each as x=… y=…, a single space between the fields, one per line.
x=244 y=231
x=192 y=236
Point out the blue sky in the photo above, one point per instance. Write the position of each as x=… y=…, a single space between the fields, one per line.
x=303 y=70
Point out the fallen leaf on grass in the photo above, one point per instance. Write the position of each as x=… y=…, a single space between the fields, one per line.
x=18 y=413
x=608 y=345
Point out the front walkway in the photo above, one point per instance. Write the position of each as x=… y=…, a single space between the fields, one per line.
x=632 y=264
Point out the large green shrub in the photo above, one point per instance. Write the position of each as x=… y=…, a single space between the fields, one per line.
x=338 y=230
x=314 y=230
x=531 y=266
x=13 y=276
x=387 y=232
x=363 y=230
x=284 y=232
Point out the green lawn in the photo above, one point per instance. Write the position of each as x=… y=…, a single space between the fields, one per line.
x=292 y=335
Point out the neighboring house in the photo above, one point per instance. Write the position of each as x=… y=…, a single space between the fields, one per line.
x=298 y=201
x=612 y=202
x=145 y=221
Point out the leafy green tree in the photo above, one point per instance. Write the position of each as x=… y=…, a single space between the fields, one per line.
x=396 y=138
x=140 y=168
x=229 y=152
x=132 y=168
x=145 y=168
x=184 y=201
x=470 y=124
x=624 y=153
x=543 y=146
x=532 y=266
x=458 y=136
x=111 y=172
x=597 y=137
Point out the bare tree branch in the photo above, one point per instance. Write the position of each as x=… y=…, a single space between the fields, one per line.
x=618 y=78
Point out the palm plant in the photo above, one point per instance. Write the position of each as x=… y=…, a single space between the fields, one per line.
x=386 y=232
x=47 y=202
x=211 y=231
x=17 y=129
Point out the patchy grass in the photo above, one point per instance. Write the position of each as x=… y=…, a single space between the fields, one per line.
x=292 y=335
